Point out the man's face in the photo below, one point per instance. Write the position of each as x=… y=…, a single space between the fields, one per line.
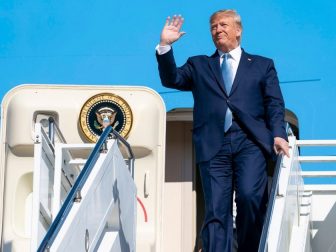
x=225 y=32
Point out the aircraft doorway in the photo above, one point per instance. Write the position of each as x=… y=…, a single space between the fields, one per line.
x=184 y=203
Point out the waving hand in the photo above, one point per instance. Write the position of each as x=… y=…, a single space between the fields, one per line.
x=171 y=31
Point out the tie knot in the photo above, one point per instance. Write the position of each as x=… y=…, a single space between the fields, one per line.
x=226 y=63
x=226 y=56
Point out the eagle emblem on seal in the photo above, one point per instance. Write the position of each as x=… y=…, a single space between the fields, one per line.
x=105 y=117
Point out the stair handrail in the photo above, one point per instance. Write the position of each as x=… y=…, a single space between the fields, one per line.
x=270 y=205
x=131 y=157
x=272 y=196
x=52 y=128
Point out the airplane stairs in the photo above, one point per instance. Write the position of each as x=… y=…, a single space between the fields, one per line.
x=301 y=214
x=90 y=204
x=82 y=204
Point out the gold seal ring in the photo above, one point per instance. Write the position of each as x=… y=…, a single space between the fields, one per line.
x=105 y=109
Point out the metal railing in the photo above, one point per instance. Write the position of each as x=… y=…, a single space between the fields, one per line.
x=130 y=154
x=272 y=197
x=318 y=173
x=75 y=192
x=53 y=127
x=273 y=194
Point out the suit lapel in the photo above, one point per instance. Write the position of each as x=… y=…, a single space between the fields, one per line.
x=215 y=67
x=244 y=64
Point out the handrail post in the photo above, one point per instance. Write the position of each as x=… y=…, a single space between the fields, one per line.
x=51 y=131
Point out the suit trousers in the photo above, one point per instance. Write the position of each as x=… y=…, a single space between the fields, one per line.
x=240 y=165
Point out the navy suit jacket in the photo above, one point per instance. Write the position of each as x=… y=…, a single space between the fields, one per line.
x=255 y=99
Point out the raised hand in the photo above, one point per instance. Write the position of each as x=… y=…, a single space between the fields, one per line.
x=171 y=31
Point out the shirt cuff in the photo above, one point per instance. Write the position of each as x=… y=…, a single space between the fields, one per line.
x=162 y=49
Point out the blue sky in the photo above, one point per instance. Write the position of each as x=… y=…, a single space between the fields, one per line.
x=113 y=41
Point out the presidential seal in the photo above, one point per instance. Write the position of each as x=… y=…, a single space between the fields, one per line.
x=103 y=110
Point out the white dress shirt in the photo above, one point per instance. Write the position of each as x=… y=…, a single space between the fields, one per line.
x=234 y=59
x=162 y=49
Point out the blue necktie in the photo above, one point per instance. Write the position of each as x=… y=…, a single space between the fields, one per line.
x=228 y=81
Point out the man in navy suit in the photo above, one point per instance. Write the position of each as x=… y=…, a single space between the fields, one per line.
x=238 y=124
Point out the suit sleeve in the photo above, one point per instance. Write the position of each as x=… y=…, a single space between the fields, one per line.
x=174 y=77
x=274 y=103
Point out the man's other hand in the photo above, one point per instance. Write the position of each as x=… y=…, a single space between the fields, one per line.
x=281 y=146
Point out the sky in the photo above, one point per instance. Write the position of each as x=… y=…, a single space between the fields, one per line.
x=111 y=42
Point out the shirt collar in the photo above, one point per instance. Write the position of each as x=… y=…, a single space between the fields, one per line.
x=235 y=53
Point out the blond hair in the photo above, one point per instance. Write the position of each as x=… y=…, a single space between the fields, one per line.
x=231 y=13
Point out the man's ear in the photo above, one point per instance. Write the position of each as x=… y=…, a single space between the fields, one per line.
x=239 y=31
